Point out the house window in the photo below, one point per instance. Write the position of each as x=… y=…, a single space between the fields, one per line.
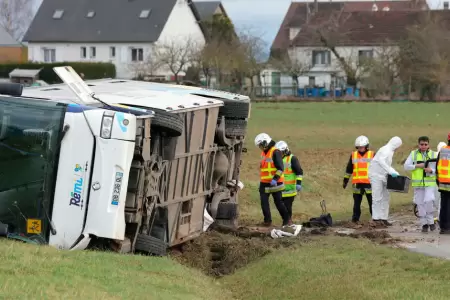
x=365 y=54
x=93 y=52
x=112 y=52
x=446 y=5
x=83 y=52
x=49 y=55
x=137 y=54
x=144 y=14
x=90 y=14
x=58 y=14
x=321 y=57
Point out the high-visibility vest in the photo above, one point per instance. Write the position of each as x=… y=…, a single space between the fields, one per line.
x=290 y=179
x=443 y=169
x=361 y=166
x=417 y=178
x=268 y=169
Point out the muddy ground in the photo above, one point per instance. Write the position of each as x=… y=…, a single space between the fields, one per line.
x=221 y=251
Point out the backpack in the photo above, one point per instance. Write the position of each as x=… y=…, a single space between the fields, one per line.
x=325 y=219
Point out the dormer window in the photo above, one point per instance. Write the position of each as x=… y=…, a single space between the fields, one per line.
x=90 y=14
x=58 y=14
x=144 y=14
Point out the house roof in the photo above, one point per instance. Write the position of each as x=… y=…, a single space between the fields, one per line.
x=6 y=39
x=207 y=9
x=111 y=21
x=364 y=28
x=297 y=13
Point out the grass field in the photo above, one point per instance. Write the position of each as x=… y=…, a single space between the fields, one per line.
x=322 y=135
x=32 y=272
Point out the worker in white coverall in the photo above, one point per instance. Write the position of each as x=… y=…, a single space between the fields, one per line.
x=437 y=195
x=423 y=181
x=379 y=169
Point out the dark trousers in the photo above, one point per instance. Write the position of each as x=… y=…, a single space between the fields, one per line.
x=288 y=201
x=357 y=199
x=265 y=206
x=444 y=215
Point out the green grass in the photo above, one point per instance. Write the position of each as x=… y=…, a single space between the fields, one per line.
x=342 y=268
x=322 y=135
x=32 y=272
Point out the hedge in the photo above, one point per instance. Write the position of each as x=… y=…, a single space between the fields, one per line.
x=90 y=70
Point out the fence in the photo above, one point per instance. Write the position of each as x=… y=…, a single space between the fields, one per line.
x=396 y=93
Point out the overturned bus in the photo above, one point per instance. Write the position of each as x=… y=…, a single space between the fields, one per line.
x=118 y=163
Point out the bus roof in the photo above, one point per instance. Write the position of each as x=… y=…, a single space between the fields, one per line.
x=127 y=92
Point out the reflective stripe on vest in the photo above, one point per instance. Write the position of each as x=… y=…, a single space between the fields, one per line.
x=290 y=179
x=361 y=167
x=418 y=179
x=267 y=167
x=443 y=169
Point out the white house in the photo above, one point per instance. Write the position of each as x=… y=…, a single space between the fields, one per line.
x=296 y=37
x=118 y=31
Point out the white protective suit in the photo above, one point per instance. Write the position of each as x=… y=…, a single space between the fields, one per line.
x=379 y=168
x=437 y=195
x=423 y=196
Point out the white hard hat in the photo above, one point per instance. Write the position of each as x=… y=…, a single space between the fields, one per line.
x=282 y=146
x=361 y=141
x=262 y=139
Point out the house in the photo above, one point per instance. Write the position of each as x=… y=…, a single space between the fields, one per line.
x=207 y=9
x=300 y=15
x=10 y=49
x=119 y=31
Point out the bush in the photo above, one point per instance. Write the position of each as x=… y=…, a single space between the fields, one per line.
x=90 y=70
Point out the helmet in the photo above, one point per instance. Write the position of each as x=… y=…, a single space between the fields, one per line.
x=282 y=146
x=361 y=141
x=262 y=139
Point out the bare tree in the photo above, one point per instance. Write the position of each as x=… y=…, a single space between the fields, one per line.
x=149 y=67
x=176 y=55
x=249 y=56
x=16 y=16
x=382 y=71
x=425 y=59
x=291 y=64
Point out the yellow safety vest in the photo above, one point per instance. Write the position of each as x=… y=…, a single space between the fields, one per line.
x=418 y=179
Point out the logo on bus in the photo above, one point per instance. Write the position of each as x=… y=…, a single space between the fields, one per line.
x=75 y=196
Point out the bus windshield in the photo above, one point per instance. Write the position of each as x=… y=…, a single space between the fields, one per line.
x=30 y=134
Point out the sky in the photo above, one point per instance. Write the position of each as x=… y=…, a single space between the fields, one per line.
x=262 y=17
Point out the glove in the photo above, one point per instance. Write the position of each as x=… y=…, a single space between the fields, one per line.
x=344 y=183
x=273 y=182
x=394 y=174
x=298 y=187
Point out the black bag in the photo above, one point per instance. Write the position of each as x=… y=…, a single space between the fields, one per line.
x=325 y=219
x=399 y=184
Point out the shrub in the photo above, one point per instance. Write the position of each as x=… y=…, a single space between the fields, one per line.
x=90 y=70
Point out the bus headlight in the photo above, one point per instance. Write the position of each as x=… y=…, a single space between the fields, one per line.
x=107 y=123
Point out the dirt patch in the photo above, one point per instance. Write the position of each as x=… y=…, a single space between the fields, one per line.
x=222 y=253
x=379 y=237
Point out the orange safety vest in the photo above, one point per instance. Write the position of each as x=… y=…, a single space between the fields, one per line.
x=361 y=166
x=443 y=169
x=268 y=169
